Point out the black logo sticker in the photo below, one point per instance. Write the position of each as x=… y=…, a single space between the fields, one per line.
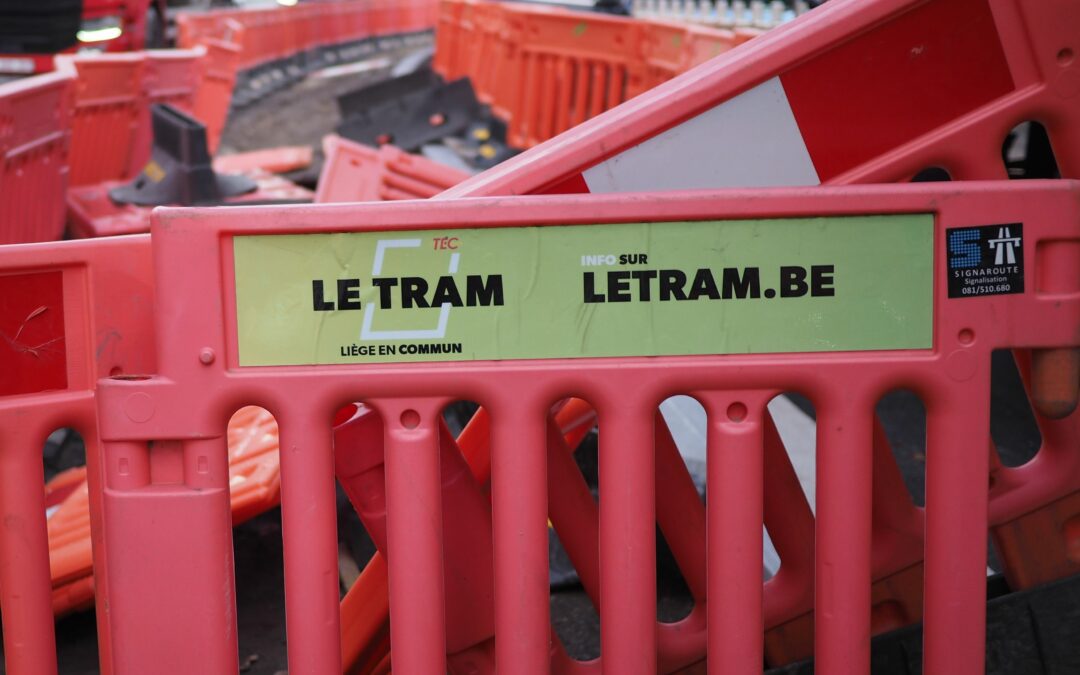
x=987 y=260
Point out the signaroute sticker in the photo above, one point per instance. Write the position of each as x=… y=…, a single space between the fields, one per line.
x=633 y=289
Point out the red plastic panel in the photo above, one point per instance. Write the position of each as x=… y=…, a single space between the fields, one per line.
x=891 y=85
x=106 y=116
x=35 y=130
x=33 y=355
x=356 y=173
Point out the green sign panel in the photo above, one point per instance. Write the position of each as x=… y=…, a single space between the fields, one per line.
x=633 y=289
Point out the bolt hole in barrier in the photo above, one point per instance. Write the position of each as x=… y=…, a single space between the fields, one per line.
x=536 y=331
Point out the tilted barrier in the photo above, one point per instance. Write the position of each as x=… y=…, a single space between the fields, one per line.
x=817 y=101
x=357 y=173
x=544 y=70
x=274 y=282
x=776 y=110
x=35 y=129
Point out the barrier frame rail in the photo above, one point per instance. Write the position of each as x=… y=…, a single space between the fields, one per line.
x=183 y=410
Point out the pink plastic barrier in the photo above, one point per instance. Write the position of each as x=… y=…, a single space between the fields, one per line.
x=71 y=312
x=773 y=117
x=357 y=173
x=171 y=76
x=164 y=441
x=111 y=137
x=816 y=101
x=35 y=127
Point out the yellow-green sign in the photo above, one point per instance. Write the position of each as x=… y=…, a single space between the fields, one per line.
x=634 y=289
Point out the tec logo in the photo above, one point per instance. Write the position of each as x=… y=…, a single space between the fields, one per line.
x=985 y=260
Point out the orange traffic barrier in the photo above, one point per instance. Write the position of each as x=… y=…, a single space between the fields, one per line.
x=273 y=34
x=35 y=129
x=356 y=173
x=544 y=70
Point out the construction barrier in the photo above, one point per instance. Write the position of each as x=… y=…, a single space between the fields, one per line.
x=286 y=303
x=357 y=173
x=278 y=33
x=71 y=312
x=771 y=118
x=776 y=112
x=35 y=127
x=111 y=136
x=213 y=97
x=171 y=76
x=544 y=70
x=92 y=213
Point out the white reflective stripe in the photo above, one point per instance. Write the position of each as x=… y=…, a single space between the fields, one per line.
x=750 y=141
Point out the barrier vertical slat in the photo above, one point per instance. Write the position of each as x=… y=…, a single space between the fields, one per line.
x=521 y=123
x=309 y=531
x=414 y=538
x=549 y=83
x=581 y=93
x=25 y=585
x=627 y=539
x=519 y=519
x=735 y=475
x=789 y=521
x=680 y=513
x=574 y=513
x=596 y=92
x=565 y=89
x=843 y=509
x=954 y=591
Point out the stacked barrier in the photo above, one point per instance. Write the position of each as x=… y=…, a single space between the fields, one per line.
x=184 y=511
x=274 y=34
x=774 y=119
x=111 y=136
x=357 y=173
x=51 y=137
x=35 y=127
x=544 y=70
